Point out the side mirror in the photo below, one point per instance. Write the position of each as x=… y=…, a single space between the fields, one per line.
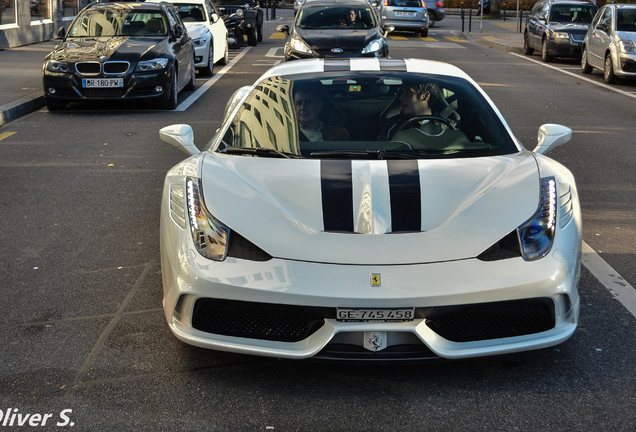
x=283 y=28
x=388 y=28
x=235 y=100
x=181 y=137
x=601 y=26
x=61 y=33
x=551 y=136
x=178 y=31
x=214 y=17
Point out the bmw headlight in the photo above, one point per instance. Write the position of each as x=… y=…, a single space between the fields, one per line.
x=537 y=234
x=561 y=35
x=373 y=46
x=199 y=42
x=56 y=66
x=152 y=65
x=627 y=46
x=209 y=235
x=300 y=46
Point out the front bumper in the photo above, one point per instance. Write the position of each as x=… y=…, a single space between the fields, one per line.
x=291 y=54
x=68 y=86
x=562 y=47
x=626 y=63
x=201 y=55
x=303 y=296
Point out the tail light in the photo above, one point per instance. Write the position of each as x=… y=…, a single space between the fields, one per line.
x=439 y=4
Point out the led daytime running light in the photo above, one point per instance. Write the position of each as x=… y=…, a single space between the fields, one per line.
x=210 y=236
x=537 y=234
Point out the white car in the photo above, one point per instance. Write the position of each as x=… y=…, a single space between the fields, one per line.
x=207 y=30
x=446 y=238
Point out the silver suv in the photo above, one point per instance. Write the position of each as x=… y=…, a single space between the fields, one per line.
x=409 y=15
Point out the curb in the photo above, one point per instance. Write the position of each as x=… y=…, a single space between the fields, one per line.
x=21 y=107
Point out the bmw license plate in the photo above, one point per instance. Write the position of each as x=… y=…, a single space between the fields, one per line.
x=386 y=315
x=102 y=82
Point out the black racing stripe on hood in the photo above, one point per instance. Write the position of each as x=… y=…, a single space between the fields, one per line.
x=404 y=188
x=393 y=65
x=337 y=65
x=337 y=195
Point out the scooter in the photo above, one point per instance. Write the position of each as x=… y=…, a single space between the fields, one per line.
x=235 y=34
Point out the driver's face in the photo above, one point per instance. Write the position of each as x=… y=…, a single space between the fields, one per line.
x=411 y=104
x=308 y=108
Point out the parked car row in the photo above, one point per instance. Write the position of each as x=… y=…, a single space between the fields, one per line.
x=603 y=38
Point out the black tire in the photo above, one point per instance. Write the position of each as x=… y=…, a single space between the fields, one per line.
x=608 y=70
x=252 y=38
x=226 y=57
x=54 y=105
x=173 y=93
x=208 y=70
x=431 y=19
x=545 y=56
x=239 y=38
x=585 y=66
x=192 y=84
x=527 y=49
x=424 y=33
x=259 y=33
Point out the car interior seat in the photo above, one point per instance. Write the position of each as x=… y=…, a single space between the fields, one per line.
x=197 y=15
x=154 y=26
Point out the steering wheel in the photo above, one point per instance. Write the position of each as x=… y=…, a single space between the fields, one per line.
x=443 y=122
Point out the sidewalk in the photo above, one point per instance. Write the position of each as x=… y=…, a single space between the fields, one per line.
x=21 y=68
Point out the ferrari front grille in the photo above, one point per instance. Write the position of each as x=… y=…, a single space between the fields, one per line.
x=507 y=247
x=467 y=323
x=265 y=321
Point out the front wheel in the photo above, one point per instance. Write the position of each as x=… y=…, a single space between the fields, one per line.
x=545 y=55
x=226 y=57
x=252 y=38
x=192 y=84
x=209 y=68
x=585 y=66
x=608 y=70
x=259 y=33
x=173 y=93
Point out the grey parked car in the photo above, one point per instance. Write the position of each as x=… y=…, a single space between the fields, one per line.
x=610 y=44
x=409 y=15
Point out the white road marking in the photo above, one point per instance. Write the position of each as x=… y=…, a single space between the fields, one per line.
x=609 y=278
x=577 y=76
x=209 y=83
x=273 y=52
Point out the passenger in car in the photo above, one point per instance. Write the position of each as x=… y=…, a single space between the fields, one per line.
x=350 y=19
x=416 y=99
x=309 y=102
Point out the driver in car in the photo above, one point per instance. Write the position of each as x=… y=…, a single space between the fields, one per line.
x=416 y=99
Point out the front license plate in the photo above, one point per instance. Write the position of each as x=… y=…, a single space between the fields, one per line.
x=387 y=315
x=102 y=82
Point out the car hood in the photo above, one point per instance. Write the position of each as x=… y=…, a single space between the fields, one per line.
x=122 y=48
x=625 y=35
x=280 y=205
x=196 y=30
x=348 y=39
x=570 y=27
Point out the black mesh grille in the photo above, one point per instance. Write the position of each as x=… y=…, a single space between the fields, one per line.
x=507 y=247
x=88 y=67
x=468 y=323
x=242 y=248
x=104 y=93
x=272 y=322
x=116 y=67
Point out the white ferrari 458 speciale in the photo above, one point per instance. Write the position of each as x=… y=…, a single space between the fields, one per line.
x=376 y=235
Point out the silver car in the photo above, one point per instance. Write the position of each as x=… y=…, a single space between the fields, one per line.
x=610 y=43
x=409 y=15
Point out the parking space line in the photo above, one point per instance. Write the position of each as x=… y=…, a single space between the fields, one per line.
x=209 y=83
x=6 y=135
x=609 y=278
x=455 y=39
x=577 y=76
x=278 y=35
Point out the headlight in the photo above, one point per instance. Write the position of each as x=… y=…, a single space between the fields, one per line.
x=561 y=35
x=151 y=65
x=537 y=234
x=373 y=46
x=210 y=236
x=200 y=42
x=300 y=45
x=56 y=66
x=239 y=12
x=627 y=46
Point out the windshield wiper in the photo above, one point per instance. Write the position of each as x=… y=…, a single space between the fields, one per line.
x=366 y=154
x=258 y=151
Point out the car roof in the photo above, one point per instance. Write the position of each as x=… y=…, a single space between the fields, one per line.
x=336 y=2
x=573 y=2
x=180 y=1
x=128 y=5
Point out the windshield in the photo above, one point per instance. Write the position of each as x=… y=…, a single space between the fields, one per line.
x=190 y=12
x=335 y=17
x=626 y=19
x=118 y=22
x=366 y=115
x=579 y=14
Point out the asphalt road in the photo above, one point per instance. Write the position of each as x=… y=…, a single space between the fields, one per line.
x=82 y=327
